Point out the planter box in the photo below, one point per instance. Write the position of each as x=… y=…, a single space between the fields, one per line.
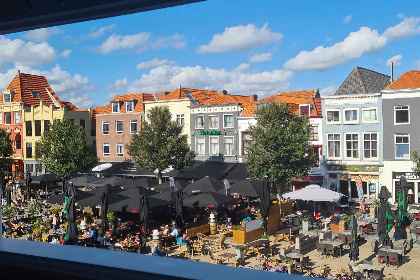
x=305 y=225
x=238 y=236
x=240 y=254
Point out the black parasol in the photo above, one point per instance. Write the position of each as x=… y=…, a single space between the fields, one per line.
x=144 y=222
x=384 y=217
x=179 y=204
x=71 y=232
x=104 y=210
x=354 y=245
x=28 y=184
x=265 y=202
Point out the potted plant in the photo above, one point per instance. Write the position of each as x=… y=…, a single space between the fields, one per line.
x=240 y=252
x=305 y=224
x=372 y=208
x=265 y=236
x=38 y=228
x=55 y=209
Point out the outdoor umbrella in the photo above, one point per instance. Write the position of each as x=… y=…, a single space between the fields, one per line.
x=166 y=186
x=265 y=202
x=354 y=245
x=403 y=216
x=314 y=193
x=60 y=198
x=71 y=232
x=2 y=185
x=144 y=222
x=384 y=217
x=65 y=182
x=45 y=178
x=178 y=208
x=209 y=200
x=147 y=182
x=28 y=184
x=247 y=187
x=113 y=194
x=132 y=202
x=206 y=184
x=83 y=181
x=104 y=210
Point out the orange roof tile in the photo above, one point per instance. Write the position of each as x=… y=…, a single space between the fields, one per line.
x=139 y=98
x=198 y=94
x=409 y=79
x=227 y=98
x=70 y=106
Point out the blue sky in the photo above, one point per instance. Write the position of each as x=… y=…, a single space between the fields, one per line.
x=242 y=46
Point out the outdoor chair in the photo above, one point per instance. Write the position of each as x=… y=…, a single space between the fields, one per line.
x=320 y=248
x=394 y=258
x=296 y=222
x=219 y=244
x=198 y=247
x=329 y=250
x=377 y=274
x=382 y=256
x=355 y=274
x=304 y=264
x=200 y=236
x=215 y=259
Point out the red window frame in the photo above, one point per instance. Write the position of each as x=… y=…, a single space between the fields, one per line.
x=313 y=133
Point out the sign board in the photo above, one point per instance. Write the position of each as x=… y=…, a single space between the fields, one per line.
x=356 y=168
x=253 y=225
x=212 y=132
x=407 y=175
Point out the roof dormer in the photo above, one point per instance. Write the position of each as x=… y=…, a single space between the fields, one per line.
x=7 y=96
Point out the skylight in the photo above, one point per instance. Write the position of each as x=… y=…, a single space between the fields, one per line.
x=191 y=97
x=35 y=94
x=206 y=96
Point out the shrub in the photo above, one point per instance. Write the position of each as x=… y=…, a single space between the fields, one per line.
x=240 y=247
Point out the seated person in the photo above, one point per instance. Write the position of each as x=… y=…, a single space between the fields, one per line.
x=156 y=251
x=61 y=241
x=318 y=216
x=101 y=240
x=184 y=240
x=54 y=240
x=334 y=219
x=252 y=210
x=166 y=230
x=118 y=244
x=174 y=232
x=92 y=234
x=229 y=222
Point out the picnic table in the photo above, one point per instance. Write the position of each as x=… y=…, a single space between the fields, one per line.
x=256 y=245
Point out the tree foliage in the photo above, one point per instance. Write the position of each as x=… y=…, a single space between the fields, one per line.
x=6 y=150
x=63 y=149
x=416 y=161
x=160 y=144
x=280 y=145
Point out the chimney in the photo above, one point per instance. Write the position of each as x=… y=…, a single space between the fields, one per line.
x=18 y=72
x=253 y=98
x=317 y=95
x=223 y=92
x=392 y=71
x=179 y=87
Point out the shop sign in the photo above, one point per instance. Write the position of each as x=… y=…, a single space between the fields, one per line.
x=212 y=132
x=357 y=168
x=407 y=175
x=363 y=177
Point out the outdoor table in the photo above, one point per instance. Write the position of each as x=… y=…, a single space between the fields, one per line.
x=290 y=218
x=255 y=246
x=294 y=256
x=335 y=243
x=210 y=238
x=325 y=221
x=227 y=256
x=365 y=267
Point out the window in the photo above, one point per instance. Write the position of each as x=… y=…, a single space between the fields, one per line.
x=199 y=122
x=7 y=118
x=402 y=114
x=214 y=122
x=228 y=146
x=352 y=145
x=314 y=131
x=119 y=126
x=334 y=145
x=105 y=149
x=246 y=141
x=115 y=107
x=317 y=150
x=129 y=106
x=402 y=146
x=38 y=167
x=29 y=150
x=180 y=119
x=105 y=128
x=200 y=146
x=351 y=115
x=214 y=146
x=30 y=167
x=46 y=125
x=333 y=116
x=133 y=126
x=370 y=145
x=304 y=109
x=16 y=117
x=228 y=121
x=370 y=115
x=1 y=118
x=28 y=125
x=82 y=123
x=37 y=128
x=35 y=94
x=120 y=149
x=18 y=144
x=6 y=97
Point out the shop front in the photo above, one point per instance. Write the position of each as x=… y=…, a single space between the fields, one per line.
x=413 y=182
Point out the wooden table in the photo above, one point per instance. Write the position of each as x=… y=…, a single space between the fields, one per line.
x=228 y=256
x=286 y=233
x=255 y=246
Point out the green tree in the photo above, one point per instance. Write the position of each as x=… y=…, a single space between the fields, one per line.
x=6 y=150
x=416 y=161
x=280 y=145
x=63 y=149
x=160 y=144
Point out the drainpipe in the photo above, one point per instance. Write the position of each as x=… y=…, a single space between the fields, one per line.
x=349 y=186
x=392 y=71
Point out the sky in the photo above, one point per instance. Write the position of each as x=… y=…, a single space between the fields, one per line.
x=244 y=47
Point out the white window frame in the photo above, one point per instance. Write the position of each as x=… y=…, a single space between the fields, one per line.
x=119 y=109
x=395 y=146
x=195 y=121
x=341 y=146
x=103 y=150
x=134 y=121
x=181 y=116
x=14 y=117
x=305 y=105
x=4 y=97
x=333 y=110
x=204 y=144
x=395 y=115
x=345 y=145
x=1 y=118
x=120 y=145
x=119 y=132
x=354 y=121
x=218 y=143
x=233 y=123
x=218 y=122
x=377 y=146
x=370 y=108
x=105 y=122
x=6 y=118
x=132 y=106
x=233 y=146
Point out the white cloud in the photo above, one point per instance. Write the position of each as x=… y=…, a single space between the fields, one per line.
x=119 y=84
x=241 y=37
x=409 y=27
x=417 y=64
x=153 y=63
x=261 y=57
x=116 y=42
x=347 y=19
x=101 y=31
x=329 y=39
x=175 y=41
x=396 y=59
x=168 y=77
x=66 y=53
x=352 y=47
x=42 y=34
x=241 y=68
x=17 y=51
x=67 y=87
x=378 y=63
x=329 y=90
x=401 y=16
x=109 y=97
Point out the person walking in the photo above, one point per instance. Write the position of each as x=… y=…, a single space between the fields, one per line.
x=54 y=222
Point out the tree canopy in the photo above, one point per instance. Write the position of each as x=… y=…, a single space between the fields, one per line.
x=63 y=149
x=280 y=145
x=416 y=161
x=6 y=150
x=160 y=144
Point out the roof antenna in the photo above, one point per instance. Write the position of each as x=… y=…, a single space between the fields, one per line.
x=392 y=71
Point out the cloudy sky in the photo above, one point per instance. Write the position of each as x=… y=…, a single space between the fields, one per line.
x=243 y=47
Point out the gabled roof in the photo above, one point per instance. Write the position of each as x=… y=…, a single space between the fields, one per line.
x=24 y=84
x=99 y=109
x=138 y=99
x=197 y=95
x=227 y=98
x=71 y=107
x=363 y=81
x=409 y=79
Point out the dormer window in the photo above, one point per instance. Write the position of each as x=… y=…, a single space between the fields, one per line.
x=6 y=97
x=304 y=109
x=35 y=94
x=115 y=107
x=129 y=106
